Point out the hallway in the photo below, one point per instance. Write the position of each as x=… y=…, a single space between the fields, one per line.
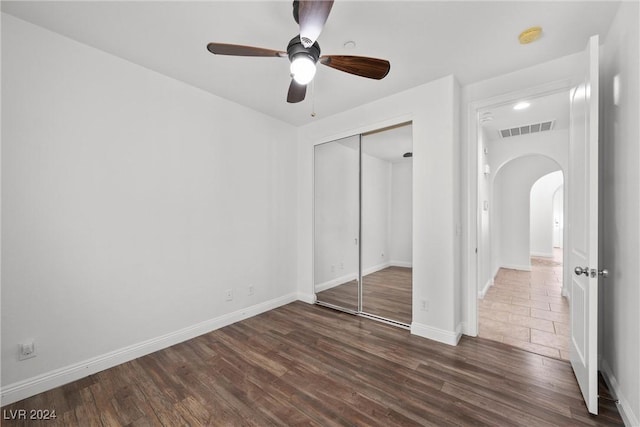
x=526 y=309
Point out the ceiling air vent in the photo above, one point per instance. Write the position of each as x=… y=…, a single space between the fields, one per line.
x=523 y=130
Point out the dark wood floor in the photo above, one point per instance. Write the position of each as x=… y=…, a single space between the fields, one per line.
x=385 y=293
x=307 y=365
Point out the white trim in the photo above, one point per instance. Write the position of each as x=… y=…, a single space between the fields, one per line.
x=436 y=334
x=516 y=267
x=628 y=417
x=483 y=291
x=404 y=264
x=542 y=254
x=375 y=268
x=308 y=298
x=49 y=380
x=349 y=277
x=335 y=282
x=383 y=124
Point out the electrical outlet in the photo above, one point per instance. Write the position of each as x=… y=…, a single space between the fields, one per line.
x=26 y=350
x=251 y=290
x=424 y=305
x=229 y=294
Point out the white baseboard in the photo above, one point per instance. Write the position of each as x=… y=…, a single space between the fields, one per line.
x=308 y=298
x=436 y=334
x=349 y=277
x=482 y=292
x=404 y=264
x=542 y=254
x=335 y=282
x=376 y=268
x=628 y=417
x=38 y=384
x=516 y=267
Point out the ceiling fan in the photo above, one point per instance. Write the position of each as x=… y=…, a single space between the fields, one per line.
x=303 y=51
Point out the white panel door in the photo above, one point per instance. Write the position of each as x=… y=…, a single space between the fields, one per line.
x=583 y=223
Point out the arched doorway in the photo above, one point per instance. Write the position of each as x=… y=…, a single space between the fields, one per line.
x=522 y=303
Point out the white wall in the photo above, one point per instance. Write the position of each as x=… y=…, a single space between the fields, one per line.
x=400 y=227
x=500 y=151
x=432 y=108
x=513 y=182
x=620 y=210
x=488 y=201
x=558 y=218
x=553 y=144
x=131 y=202
x=542 y=213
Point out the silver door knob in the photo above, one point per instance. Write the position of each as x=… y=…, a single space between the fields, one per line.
x=581 y=270
x=604 y=272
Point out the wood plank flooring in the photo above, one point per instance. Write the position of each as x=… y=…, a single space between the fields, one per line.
x=302 y=364
x=385 y=293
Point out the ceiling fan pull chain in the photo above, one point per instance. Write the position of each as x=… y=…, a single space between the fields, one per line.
x=313 y=98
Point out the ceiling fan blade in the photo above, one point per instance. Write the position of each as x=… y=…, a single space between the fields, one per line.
x=372 y=68
x=312 y=16
x=240 y=50
x=296 y=93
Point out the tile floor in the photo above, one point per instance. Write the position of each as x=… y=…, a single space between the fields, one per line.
x=526 y=309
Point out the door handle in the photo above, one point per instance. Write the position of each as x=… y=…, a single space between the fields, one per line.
x=581 y=270
x=591 y=272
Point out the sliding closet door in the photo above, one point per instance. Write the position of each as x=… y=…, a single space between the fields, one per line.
x=387 y=178
x=336 y=223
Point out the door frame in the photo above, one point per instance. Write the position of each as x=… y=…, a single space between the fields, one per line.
x=474 y=210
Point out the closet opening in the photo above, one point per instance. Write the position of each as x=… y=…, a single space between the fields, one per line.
x=363 y=231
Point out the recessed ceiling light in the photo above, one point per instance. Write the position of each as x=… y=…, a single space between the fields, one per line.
x=521 y=105
x=530 y=35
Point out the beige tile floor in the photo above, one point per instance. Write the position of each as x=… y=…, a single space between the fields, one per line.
x=526 y=309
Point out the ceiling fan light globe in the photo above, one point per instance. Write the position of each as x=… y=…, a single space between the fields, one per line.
x=303 y=69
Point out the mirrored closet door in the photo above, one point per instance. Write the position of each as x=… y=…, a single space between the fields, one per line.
x=363 y=224
x=336 y=223
x=387 y=191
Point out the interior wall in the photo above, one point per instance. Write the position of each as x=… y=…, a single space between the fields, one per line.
x=619 y=203
x=552 y=144
x=488 y=238
x=400 y=224
x=130 y=203
x=513 y=182
x=542 y=214
x=558 y=218
x=432 y=108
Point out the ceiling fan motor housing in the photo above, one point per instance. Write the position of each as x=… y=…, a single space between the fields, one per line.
x=296 y=48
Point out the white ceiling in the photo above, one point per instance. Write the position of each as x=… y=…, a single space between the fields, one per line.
x=423 y=40
x=545 y=108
